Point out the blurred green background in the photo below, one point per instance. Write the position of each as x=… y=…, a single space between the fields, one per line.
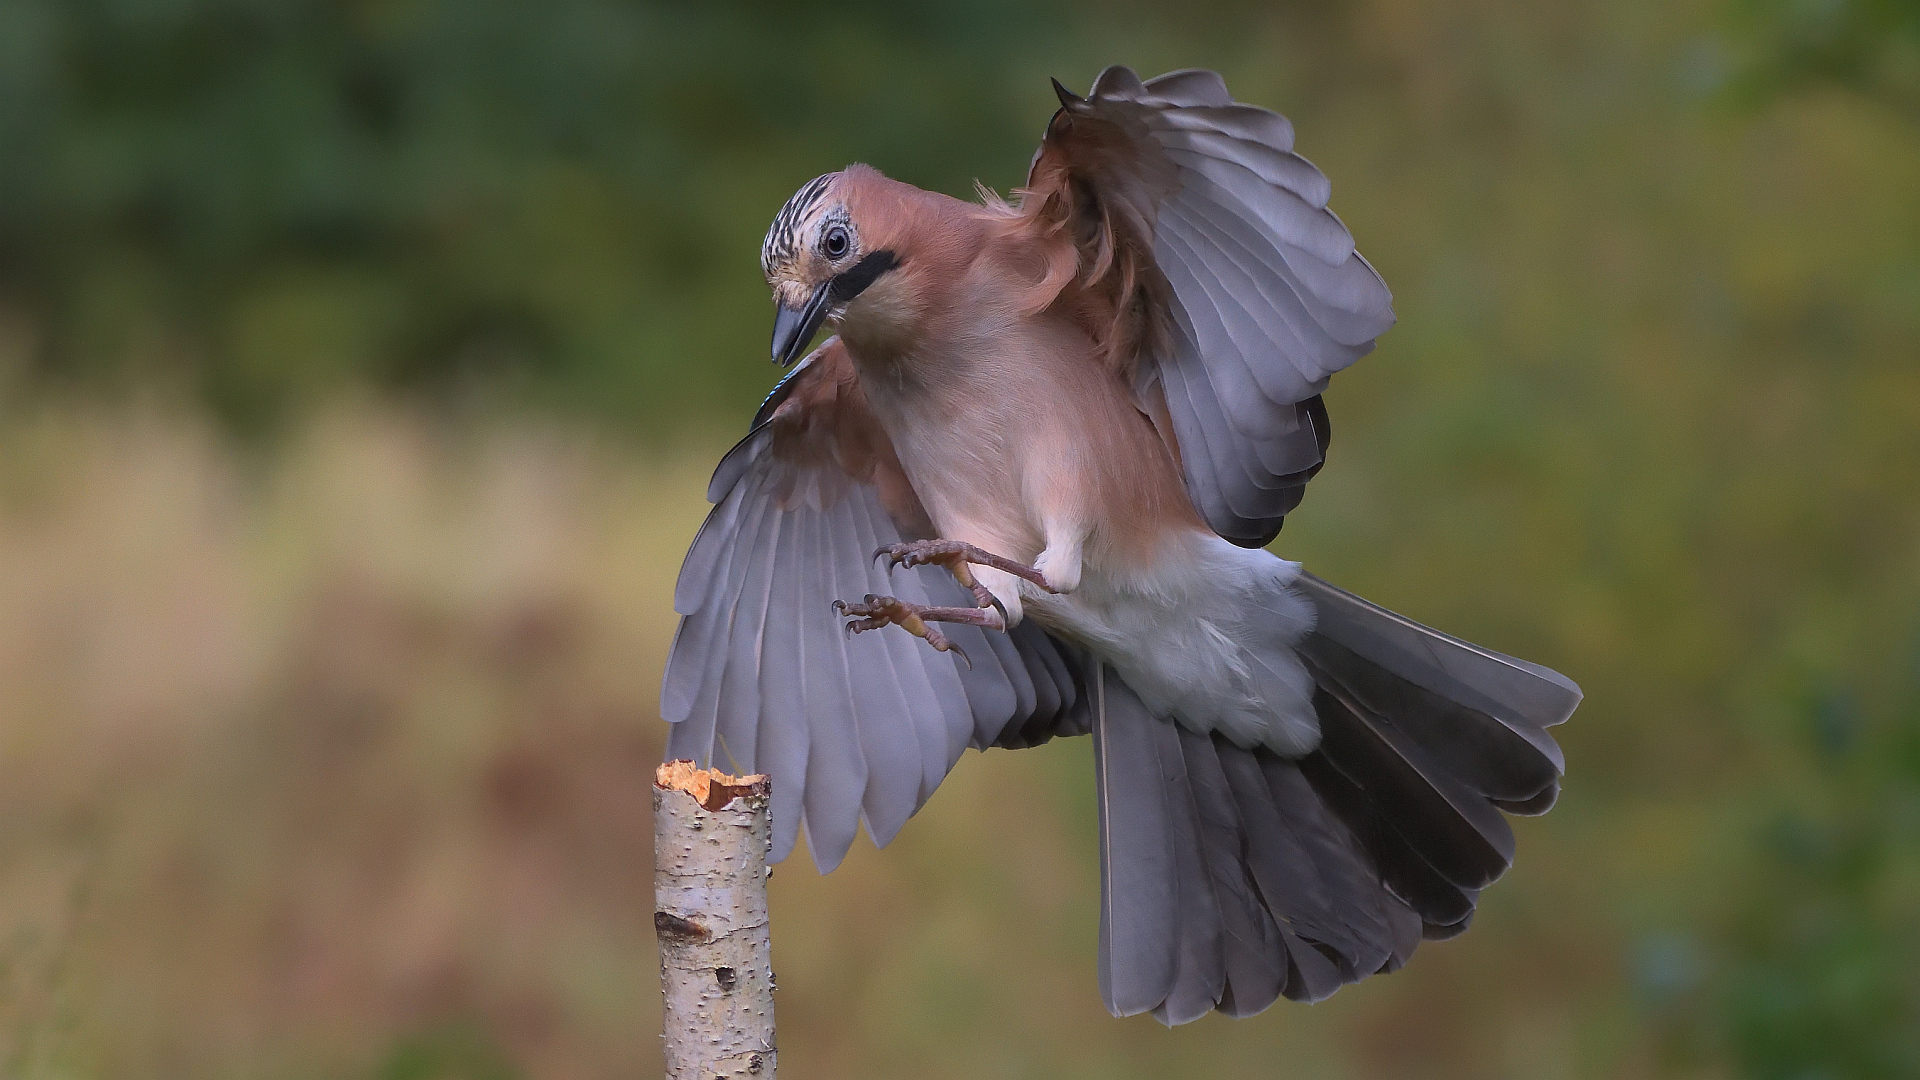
x=361 y=363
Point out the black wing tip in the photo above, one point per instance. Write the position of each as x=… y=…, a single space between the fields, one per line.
x=787 y=384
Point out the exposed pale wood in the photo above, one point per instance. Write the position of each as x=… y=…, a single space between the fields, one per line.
x=710 y=839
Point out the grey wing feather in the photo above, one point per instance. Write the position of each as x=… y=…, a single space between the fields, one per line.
x=1139 y=889
x=1247 y=875
x=1200 y=972
x=1460 y=834
x=836 y=777
x=1053 y=665
x=1192 y=86
x=1426 y=740
x=1232 y=876
x=782 y=749
x=1254 y=955
x=1229 y=878
x=762 y=678
x=1269 y=297
x=1523 y=696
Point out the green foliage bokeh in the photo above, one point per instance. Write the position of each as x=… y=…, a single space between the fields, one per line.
x=264 y=199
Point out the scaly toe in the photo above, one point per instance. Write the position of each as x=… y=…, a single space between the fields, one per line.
x=941 y=643
x=874 y=612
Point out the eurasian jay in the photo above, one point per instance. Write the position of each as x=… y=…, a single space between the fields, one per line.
x=1086 y=412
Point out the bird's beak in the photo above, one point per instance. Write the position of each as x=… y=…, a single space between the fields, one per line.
x=793 y=328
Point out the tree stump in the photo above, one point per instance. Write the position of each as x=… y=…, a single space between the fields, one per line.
x=711 y=833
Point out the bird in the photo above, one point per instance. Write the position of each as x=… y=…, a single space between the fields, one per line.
x=1051 y=436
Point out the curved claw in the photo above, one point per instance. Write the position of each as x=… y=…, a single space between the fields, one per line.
x=875 y=612
x=862 y=618
x=907 y=555
x=1005 y=618
x=943 y=643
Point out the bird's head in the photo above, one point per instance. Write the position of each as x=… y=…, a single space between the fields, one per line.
x=827 y=246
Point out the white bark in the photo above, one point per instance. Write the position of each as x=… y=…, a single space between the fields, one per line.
x=710 y=839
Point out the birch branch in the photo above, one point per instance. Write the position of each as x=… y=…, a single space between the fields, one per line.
x=710 y=839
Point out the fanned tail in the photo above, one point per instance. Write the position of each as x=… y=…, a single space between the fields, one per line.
x=1231 y=877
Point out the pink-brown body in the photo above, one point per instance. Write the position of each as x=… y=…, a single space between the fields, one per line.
x=1018 y=430
x=976 y=366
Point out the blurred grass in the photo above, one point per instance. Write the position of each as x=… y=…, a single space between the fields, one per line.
x=361 y=365
x=302 y=760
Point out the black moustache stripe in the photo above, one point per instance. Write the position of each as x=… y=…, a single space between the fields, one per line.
x=853 y=282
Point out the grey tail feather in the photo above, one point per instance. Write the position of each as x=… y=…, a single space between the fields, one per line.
x=1231 y=877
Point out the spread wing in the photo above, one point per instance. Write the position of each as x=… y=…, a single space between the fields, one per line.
x=1198 y=222
x=762 y=678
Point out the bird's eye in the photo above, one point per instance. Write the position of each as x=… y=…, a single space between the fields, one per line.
x=835 y=242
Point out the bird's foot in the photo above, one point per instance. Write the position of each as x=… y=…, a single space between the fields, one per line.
x=877 y=611
x=959 y=557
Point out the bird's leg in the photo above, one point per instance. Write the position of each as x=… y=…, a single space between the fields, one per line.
x=878 y=611
x=959 y=557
